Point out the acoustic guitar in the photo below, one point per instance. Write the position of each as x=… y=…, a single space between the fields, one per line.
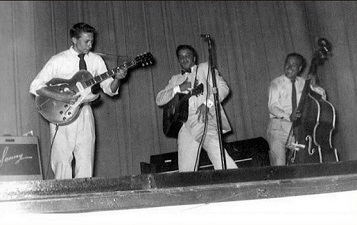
x=175 y=112
x=81 y=83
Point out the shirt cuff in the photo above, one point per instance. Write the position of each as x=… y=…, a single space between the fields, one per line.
x=209 y=103
x=176 y=90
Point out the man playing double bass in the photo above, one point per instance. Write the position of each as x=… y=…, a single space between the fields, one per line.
x=284 y=96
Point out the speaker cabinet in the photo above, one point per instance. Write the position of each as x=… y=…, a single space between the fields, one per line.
x=246 y=153
x=20 y=159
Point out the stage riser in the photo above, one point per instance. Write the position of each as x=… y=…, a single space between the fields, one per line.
x=33 y=189
x=154 y=190
x=89 y=202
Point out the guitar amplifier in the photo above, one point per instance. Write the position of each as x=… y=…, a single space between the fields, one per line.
x=20 y=159
x=167 y=162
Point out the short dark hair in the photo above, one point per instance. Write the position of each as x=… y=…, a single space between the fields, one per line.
x=79 y=28
x=300 y=57
x=189 y=47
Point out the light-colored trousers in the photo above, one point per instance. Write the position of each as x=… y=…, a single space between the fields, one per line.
x=277 y=135
x=75 y=139
x=188 y=143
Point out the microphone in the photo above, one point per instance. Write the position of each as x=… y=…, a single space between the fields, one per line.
x=205 y=35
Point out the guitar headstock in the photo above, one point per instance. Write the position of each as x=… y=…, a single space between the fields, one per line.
x=197 y=90
x=145 y=59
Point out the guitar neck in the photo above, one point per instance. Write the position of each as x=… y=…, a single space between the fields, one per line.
x=110 y=73
x=304 y=93
x=184 y=97
x=197 y=90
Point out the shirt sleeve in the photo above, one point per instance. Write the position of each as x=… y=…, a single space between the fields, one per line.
x=105 y=85
x=45 y=75
x=274 y=106
x=165 y=95
x=176 y=90
x=209 y=103
x=222 y=87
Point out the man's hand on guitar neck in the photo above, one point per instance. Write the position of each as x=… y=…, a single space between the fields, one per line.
x=121 y=74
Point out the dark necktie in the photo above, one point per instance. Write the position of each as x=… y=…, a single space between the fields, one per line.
x=83 y=66
x=293 y=95
x=186 y=71
x=82 y=62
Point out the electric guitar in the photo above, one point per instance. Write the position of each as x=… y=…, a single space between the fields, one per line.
x=81 y=83
x=175 y=112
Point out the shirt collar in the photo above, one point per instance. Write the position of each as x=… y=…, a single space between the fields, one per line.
x=298 y=78
x=71 y=49
x=74 y=52
x=193 y=68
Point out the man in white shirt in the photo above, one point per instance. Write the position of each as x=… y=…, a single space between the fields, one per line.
x=77 y=138
x=280 y=103
x=191 y=132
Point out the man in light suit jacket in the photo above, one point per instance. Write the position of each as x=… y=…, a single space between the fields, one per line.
x=201 y=107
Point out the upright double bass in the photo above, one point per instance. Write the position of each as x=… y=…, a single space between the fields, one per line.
x=310 y=138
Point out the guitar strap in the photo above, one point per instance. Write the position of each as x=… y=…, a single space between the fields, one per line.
x=196 y=80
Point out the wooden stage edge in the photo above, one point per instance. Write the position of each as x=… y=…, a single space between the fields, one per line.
x=170 y=189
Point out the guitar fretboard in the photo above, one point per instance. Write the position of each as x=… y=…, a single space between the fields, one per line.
x=110 y=73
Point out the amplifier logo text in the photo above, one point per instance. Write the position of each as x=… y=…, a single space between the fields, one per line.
x=14 y=158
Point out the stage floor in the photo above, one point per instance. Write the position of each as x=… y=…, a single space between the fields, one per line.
x=273 y=194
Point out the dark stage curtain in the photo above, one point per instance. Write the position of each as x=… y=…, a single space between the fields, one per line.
x=252 y=39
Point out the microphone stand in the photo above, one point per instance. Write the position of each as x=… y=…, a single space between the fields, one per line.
x=212 y=67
